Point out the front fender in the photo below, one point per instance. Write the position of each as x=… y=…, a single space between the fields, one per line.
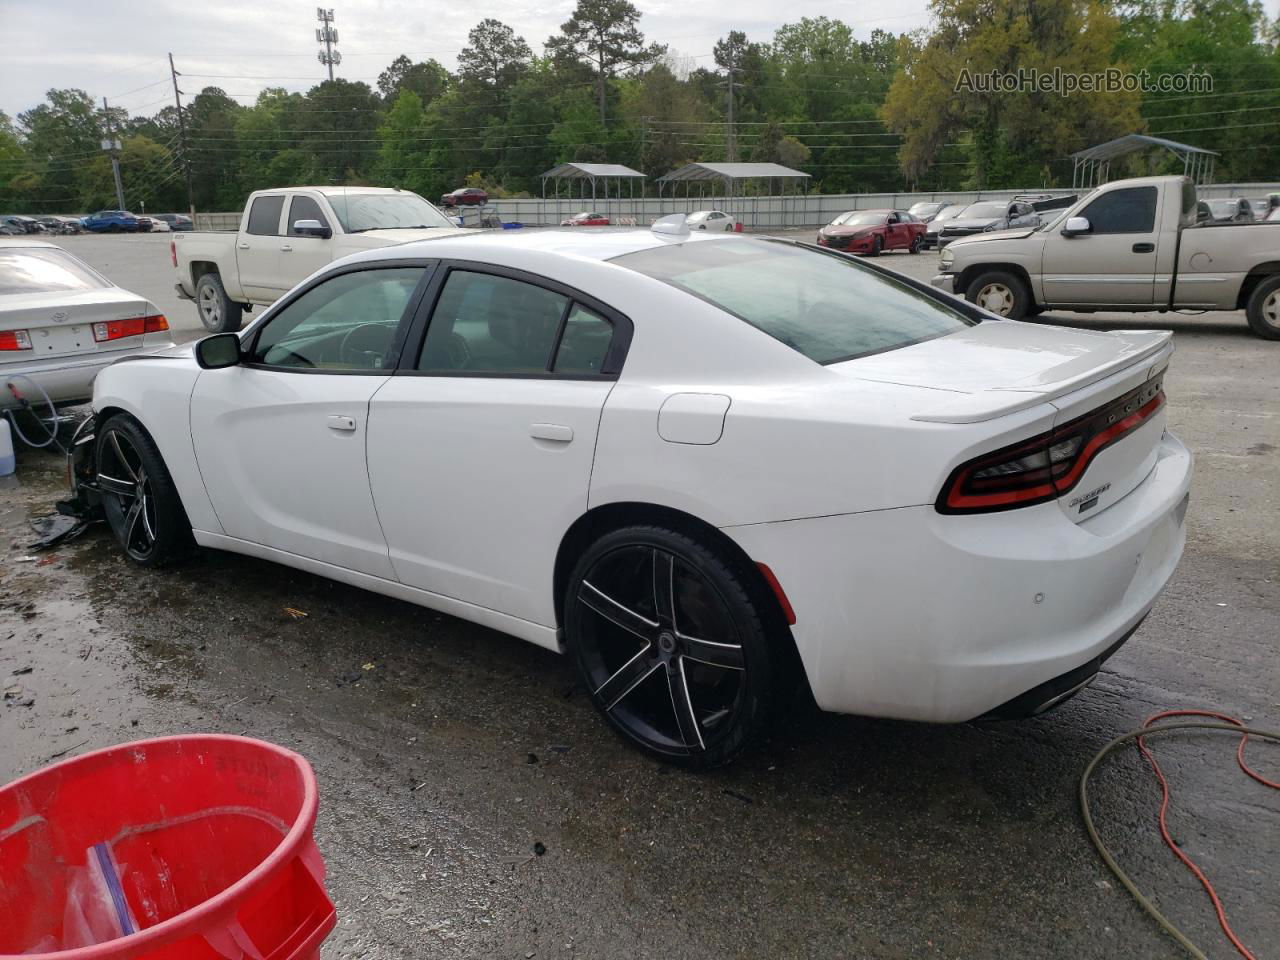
x=156 y=391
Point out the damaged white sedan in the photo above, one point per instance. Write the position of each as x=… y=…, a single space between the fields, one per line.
x=704 y=467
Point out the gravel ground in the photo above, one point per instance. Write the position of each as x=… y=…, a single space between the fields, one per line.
x=445 y=751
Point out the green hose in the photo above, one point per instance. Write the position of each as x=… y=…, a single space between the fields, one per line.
x=1107 y=858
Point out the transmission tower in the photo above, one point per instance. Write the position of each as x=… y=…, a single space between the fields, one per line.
x=327 y=34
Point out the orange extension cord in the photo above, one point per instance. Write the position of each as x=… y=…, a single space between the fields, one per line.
x=1225 y=723
x=1164 y=809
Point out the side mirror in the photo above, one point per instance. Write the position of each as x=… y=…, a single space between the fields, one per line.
x=220 y=350
x=1076 y=226
x=311 y=228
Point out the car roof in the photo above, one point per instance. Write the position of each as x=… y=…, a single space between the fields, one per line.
x=605 y=243
x=339 y=191
x=26 y=242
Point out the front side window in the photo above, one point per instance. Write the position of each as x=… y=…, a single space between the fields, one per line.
x=41 y=269
x=484 y=323
x=304 y=208
x=348 y=322
x=264 y=217
x=1128 y=210
x=821 y=305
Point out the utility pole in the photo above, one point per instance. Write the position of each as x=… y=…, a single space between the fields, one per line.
x=327 y=34
x=731 y=133
x=113 y=145
x=186 y=150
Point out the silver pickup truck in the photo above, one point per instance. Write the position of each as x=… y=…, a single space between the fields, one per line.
x=1129 y=246
x=286 y=235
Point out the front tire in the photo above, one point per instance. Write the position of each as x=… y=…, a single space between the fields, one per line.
x=218 y=312
x=877 y=247
x=1001 y=293
x=139 y=498
x=671 y=646
x=1263 y=309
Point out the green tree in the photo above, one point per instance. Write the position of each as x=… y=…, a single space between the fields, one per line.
x=495 y=55
x=400 y=143
x=1013 y=135
x=427 y=79
x=604 y=35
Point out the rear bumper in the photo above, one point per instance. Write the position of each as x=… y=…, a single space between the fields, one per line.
x=911 y=614
x=66 y=380
x=182 y=292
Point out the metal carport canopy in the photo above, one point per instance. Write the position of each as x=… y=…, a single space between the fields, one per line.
x=1131 y=143
x=589 y=171
x=733 y=171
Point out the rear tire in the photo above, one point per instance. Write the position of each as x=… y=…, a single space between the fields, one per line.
x=917 y=243
x=1263 y=310
x=140 y=501
x=680 y=665
x=218 y=312
x=1001 y=293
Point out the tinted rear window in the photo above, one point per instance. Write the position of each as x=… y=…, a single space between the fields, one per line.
x=822 y=305
x=264 y=217
x=41 y=270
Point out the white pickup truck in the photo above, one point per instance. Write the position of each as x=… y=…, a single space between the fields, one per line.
x=1129 y=246
x=288 y=234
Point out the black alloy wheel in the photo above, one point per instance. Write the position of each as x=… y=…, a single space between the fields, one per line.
x=670 y=645
x=138 y=496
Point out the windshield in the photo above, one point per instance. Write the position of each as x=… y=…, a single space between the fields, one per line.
x=924 y=209
x=985 y=211
x=856 y=219
x=385 y=211
x=822 y=305
x=41 y=270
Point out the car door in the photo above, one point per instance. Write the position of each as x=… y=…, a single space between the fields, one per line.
x=280 y=438
x=258 y=249
x=302 y=254
x=893 y=232
x=1115 y=262
x=481 y=446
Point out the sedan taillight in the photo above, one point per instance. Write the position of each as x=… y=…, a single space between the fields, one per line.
x=130 y=327
x=1048 y=466
x=15 y=340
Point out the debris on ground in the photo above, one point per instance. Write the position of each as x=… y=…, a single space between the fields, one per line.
x=56 y=528
x=295 y=613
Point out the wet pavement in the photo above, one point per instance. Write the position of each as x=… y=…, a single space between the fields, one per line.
x=449 y=755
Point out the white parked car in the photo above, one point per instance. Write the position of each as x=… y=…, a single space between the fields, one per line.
x=711 y=220
x=701 y=466
x=61 y=322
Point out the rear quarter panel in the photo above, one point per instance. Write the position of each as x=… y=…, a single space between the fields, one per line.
x=216 y=248
x=1213 y=261
x=156 y=391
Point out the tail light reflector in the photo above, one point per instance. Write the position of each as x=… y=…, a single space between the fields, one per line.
x=129 y=327
x=173 y=252
x=1048 y=466
x=15 y=340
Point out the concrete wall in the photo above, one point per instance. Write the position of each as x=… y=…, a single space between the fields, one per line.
x=756 y=213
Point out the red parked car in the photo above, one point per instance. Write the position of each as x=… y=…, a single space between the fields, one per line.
x=873 y=231
x=586 y=219
x=465 y=197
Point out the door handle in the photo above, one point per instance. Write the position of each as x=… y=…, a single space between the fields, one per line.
x=1143 y=247
x=558 y=432
x=243 y=246
x=345 y=424
x=286 y=247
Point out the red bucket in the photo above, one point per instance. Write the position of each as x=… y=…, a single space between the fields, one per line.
x=195 y=847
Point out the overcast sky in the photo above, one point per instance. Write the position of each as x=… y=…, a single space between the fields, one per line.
x=111 y=47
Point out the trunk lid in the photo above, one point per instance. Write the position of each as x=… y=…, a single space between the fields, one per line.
x=1094 y=382
x=60 y=323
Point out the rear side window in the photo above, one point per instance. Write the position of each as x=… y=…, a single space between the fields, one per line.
x=1130 y=210
x=264 y=217
x=41 y=270
x=822 y=305
x=304 y=208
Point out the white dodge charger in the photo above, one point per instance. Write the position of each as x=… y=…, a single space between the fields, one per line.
x=702 y=466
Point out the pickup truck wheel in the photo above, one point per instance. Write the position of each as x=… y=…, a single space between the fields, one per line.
x=1001 y=293
x=218 y=312
x=1263 y=310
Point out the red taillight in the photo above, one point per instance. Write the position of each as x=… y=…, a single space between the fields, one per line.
x=173 y=252
x=1048 y=466
x=129 y=327
x=15 y=340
